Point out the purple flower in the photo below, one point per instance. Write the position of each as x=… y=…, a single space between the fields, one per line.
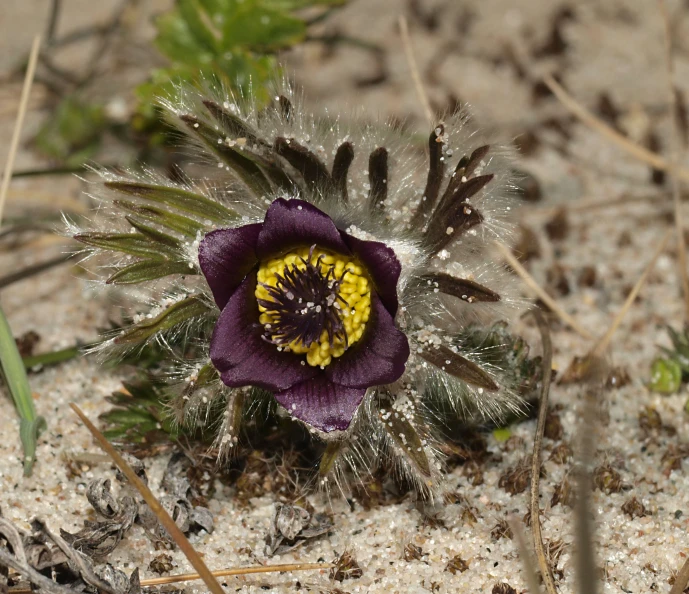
x=307 y=312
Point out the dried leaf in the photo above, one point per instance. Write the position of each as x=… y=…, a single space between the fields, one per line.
x=304 y=161
x=436 y=170
x=99 y=539
x=293 y=525
x=406 y=437
x=346 y=567
x=231 y=154
x=377 y=178
x=462 y=288
x=458 y=366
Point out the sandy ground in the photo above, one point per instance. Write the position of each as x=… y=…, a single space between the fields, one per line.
x=614 y=48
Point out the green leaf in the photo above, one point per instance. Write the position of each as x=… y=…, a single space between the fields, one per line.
x=680 y=343
x=51 y=358
x=182 y=200
x=164 y=218
x=176 y=41
x=73 y=134
x=257 y=27
x=139 y=414
x=329 y=457
x=133 y=244
x=292 y=5
x=199 y=24
x=153 y=234
x=14 y=374
x=29 y=432
x=502 y=434
x=147 y=270
x=179 y=312
x=666 y=376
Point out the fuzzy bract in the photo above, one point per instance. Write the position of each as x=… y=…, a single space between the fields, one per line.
x=326 y=265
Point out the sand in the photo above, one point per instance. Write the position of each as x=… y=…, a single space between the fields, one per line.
x=616 y=48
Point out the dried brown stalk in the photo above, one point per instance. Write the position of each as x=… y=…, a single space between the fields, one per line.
x=19 y=122
x=188 y=577
x=583 y=367
x=603 y=342
x=540 y=292
x=414 y=69
x=546 y=571
x=674 y=158
x=681 y=580
x=525 y=553
x=599 y=126
x=586 y=205
x=162 y=515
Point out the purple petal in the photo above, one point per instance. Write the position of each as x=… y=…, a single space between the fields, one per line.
x=322 y=404
x=226 y=256
x=242 y=356
x=383 y=267
x=295 y=223
x=378 y=358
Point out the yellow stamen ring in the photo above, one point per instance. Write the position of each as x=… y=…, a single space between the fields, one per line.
x=350 y=301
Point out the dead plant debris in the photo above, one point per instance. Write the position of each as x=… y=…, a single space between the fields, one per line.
x=561 y=453
x=608 y=480
x=503 y=588
x=293 y=526
x=634 y=508
x=346 y=568
x=517 y=478
x=501 y=530
x=456 y=565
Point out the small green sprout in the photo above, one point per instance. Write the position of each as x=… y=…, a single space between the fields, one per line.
x=666 y=375
x=669 y=371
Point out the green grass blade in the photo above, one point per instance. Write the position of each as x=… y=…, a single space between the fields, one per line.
x=52 y=357
x=28 y=434
x=17 y=382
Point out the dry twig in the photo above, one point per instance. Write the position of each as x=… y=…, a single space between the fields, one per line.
x=674 y=158
x=32 y=270
x=596 y=124
x=414 y=69
x=546 y=571
x=603 y=342
x=540 y=292
x=587 y=205
x=681 y=580
x=162 y=515
x=19 y=122
x=581 y=367
x=187 y=577
x=525 y=554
